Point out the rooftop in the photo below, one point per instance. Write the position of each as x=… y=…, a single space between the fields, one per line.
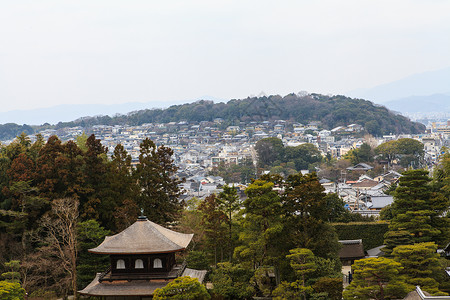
x=144 y=237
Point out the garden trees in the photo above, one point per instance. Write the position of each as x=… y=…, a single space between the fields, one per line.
x=376 y=278
x=35 y=228
x=11 y=291
x=59 y=171
x=123 y=189
x=159 y=189
x=306 y=213
x=231 y=281
x=95 y=182
x=90 y=234
x=182 y=288
x=262 y=225
x=213 y=220
x=417 y=211
x=302 y=261
x=229 y=204
x=420 y=264
x=312 y=276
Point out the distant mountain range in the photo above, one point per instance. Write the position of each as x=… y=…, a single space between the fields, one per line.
x=421 y=104
x=425 y=93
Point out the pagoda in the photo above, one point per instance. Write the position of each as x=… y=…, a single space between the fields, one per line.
x=142 y=260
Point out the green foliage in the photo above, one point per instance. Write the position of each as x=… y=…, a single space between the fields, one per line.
x=331 y=287
x=441 y=175
x=394 y=238
x=420 y=264
x=11 y=291
x=361 y=154
x=291 y=290
x=286 y=160
x=261 y=224
x=418 y=210
x=213 y=222
x=327 y=267
x=242 y=172
x=81 y=141
x=371 y=233
x=159 y=190
x=386 y=213
x=13 y=268
x=306 y=212
x=231 y=281
x=269 y=150
x=332 y=111
x=306 y=266
x=10 y=130
x=229 y=203
x=336 y=208
x=408 y=151
x=302 y=261
x=43 y=294
x=90 y=235
x=262 y=280
x=185 y=288
x=377 y=278
x=197 y=260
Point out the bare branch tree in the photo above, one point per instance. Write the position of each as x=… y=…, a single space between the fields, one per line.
x=61 y=235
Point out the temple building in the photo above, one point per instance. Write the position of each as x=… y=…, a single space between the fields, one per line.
x=142 y=260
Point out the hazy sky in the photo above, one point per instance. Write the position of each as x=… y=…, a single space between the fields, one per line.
x=55 y=52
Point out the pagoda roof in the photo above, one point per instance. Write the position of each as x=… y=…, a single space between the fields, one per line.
x=144 y=237
x=133 y=287
x=122 y=288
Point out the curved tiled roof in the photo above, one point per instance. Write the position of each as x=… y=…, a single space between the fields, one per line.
x=144 y=237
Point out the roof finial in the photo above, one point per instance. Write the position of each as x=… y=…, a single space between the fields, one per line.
x=142 y=217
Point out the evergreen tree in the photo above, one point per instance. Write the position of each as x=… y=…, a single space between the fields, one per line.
x=420 y=264
x=96 y=183
x=377 y=278
x=90 y=234
x=261 y=225
x=418 y=211
x=123 y=189
x=159 y=189
x=214 y=224
x=229 y=204
x=306 y=209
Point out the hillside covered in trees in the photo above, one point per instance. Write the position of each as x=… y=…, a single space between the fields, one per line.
x=331 y=111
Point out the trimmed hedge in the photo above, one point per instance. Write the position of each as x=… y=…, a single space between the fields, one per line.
x=372 y=233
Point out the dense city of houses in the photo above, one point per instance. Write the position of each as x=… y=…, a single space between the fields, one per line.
x=199 y=146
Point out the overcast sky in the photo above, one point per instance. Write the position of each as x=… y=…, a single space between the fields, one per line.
x=77 y=52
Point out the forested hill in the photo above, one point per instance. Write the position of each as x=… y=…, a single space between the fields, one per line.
x=332 y=111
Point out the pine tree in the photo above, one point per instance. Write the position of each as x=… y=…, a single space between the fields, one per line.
x=418 y=211
x=377 y=278
x=420 y=264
